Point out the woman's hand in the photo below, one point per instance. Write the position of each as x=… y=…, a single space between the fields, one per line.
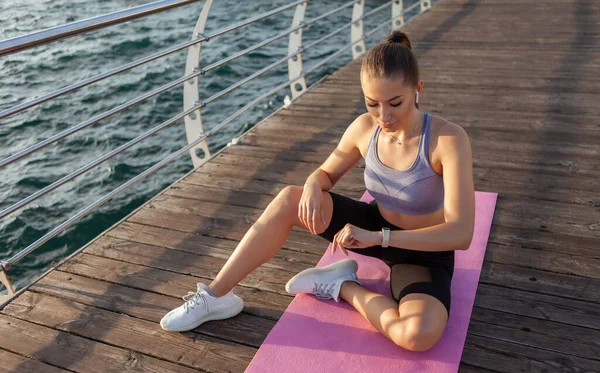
x=309 y=208
x=353 y=237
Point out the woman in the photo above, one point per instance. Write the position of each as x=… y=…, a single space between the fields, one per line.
x=418 y=169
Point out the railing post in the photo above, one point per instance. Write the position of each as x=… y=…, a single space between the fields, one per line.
x=356 y=30
x=10 y=291
x=397 y=14
x=191 y=95
x=295 y=68
x=425 y=5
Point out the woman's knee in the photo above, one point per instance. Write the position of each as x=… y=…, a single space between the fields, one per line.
x=286 y=204
x=287 y=200
x=414 y=338
x=422 y=340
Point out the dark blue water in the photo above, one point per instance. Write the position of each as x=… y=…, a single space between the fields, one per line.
x=40 y=70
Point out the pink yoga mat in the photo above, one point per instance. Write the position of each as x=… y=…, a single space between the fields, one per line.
x=324 y=336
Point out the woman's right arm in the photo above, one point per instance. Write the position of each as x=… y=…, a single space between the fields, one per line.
x=342 y=159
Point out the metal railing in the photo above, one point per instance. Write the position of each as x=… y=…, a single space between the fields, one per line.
x=195 y=133
x=75 y=28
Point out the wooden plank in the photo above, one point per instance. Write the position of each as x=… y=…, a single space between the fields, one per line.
x=295 y=173
x=302 y=241
x=551 y=216
x=264 y=278
x=300 y=155
x=434 y=72
x=495 y=141
x=479 y=132
x=543 y=240
x=291 y=132
x=492 y=353
x=235 y=184
x=488 y=159
x=75 y=353
x=207 y=209
x=433 y=68
x=539 y=306
x=449 y=110
x=511 y=99
x=509 y=187
x=204 y=245
x=306 y=120
x=569 y=264
x=188 y=349
x=350 y=184
x=13 y=363
x=343 y=116
x=508 y=63
x=171 y=283
x=543 y=282
x=544 y=181
x=541 y=162
x=111 y=291
x=353 y=98
x=228 y=194
x=220 y=196
x=464 y=368
x=565 y=340
x=456 y=114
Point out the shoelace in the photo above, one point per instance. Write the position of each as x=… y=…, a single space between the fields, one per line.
x=323 y=291
x=191 y=300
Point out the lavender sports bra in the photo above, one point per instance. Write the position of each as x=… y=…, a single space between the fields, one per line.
x=419 y=190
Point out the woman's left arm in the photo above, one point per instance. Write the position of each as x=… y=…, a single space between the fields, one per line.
x=459 y=200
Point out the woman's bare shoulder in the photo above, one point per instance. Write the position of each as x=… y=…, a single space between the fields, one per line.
x=360 y=131
x=362 y=123
x=446 y=139
x=445 y=131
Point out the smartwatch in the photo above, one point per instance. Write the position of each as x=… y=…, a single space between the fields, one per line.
x=386 y=237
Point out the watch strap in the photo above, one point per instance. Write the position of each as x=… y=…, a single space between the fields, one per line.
x=386 y=237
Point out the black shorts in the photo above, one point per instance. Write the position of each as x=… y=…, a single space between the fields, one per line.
x=411 y=271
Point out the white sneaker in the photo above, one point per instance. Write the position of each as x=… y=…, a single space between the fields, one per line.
x=324 y=282
x=200 y=307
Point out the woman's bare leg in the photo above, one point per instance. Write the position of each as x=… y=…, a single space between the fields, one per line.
x=416 y=325
x=381 y=311
x=266 y=237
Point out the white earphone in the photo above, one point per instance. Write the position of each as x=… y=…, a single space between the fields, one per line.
x=417 y=96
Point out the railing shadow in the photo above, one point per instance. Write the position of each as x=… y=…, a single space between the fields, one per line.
x=70 y=360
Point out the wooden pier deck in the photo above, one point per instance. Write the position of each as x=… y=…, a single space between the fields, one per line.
x=521 y=76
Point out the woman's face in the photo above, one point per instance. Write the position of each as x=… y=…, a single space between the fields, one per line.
x=390 y=102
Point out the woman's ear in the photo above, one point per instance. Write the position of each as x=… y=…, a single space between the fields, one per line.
x=418 y=92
